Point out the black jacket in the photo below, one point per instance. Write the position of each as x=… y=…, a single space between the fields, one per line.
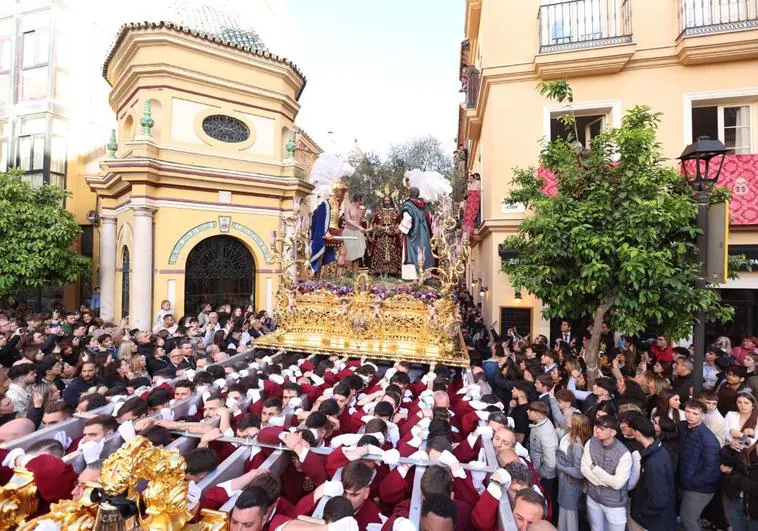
x=654 y=500
x=74 y=391
x=745 y=479
x=9 y=353
x=154 y=364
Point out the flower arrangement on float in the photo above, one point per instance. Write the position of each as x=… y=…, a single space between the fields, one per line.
x=382 y=292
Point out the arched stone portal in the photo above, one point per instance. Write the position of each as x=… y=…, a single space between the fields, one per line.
x=219 y=270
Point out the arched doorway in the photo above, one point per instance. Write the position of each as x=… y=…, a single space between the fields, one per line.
x=220 y=270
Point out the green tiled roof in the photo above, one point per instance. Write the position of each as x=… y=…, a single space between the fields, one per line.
x=206 y=19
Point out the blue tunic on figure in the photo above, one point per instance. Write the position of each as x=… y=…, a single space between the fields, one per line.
x=418 y=235
x=321 y=254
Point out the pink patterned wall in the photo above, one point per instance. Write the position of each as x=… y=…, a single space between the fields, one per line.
x=739 y=175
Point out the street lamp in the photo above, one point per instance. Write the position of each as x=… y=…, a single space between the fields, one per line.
x=483 y=291
x=705 y=158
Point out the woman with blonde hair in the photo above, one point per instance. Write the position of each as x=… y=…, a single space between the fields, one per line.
x=137 y=367
x=725 y=344
x=126 y=349
x=569 y=466
x=655 y=386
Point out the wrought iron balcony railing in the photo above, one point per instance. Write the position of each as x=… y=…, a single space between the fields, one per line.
x=473 y=81
x=579 y=24
x=701 y=17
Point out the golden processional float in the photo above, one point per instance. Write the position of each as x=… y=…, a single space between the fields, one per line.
x=368 y=316
x=115 y=503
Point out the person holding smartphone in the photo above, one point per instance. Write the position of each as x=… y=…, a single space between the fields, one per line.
x=741 y=425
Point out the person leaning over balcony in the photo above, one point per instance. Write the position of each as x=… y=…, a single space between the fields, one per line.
x=698 y=464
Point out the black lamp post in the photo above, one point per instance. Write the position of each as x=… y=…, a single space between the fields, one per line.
x=706 y=158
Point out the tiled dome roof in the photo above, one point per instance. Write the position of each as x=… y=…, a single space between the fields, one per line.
x=199 y=19
x=204 y=18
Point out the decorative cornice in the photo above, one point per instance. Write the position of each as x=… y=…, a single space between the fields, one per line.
x=114 y=167
x=715 y=48
x=585 y=62
x=301 y=131
x=491 y=225
x=473 y=18
x=263 y=54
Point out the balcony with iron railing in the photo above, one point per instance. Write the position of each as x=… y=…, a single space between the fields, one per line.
x=703 y=17
x=583 y=37
x=473 y=83
x=580 y=24
x=715 y=31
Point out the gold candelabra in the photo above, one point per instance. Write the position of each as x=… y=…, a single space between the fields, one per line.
x=291 y=250
x=451 y=255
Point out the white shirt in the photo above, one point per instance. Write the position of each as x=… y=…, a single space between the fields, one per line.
x=710 y=375
x=732 y=422
x=715 y=422
x=20 y=398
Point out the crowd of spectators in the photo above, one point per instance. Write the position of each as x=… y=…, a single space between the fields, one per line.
x=628 y=447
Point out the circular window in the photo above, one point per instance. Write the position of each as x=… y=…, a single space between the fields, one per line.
x=226 y=128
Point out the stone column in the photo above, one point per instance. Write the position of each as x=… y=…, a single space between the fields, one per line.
x=107 y=267
x=142 y=270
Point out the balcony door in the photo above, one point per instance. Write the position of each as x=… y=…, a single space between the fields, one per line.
x=578 y=20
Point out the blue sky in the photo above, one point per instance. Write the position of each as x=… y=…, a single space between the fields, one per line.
x=381 y=71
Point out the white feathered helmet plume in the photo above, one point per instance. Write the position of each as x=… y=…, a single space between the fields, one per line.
x=327 y=174
x=432 y=185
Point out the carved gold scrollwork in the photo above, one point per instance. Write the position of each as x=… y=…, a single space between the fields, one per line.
x=18 y=499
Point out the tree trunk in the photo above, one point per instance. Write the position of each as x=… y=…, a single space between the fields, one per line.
x=590 y=353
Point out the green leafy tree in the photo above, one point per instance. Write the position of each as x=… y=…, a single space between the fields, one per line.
x=36 y=234
x=616 y=243
x=425 y=153
x=369 y=177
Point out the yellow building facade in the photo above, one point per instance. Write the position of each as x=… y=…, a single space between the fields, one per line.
x=694 y=61
x=206 y=163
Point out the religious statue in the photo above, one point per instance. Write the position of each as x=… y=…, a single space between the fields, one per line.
x=326 y=233
x=416 y=226
x=354 y=233
x=386 y=248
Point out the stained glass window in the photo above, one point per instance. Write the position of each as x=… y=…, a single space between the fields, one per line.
x=226 y=128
